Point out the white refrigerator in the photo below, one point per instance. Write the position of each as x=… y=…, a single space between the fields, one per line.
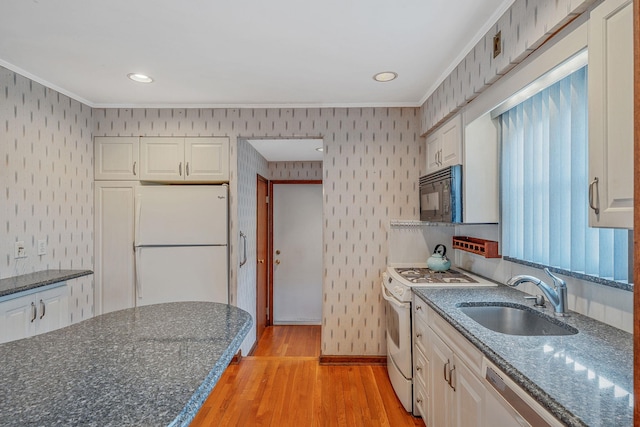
x=181 y=235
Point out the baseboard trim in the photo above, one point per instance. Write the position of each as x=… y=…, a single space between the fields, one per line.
x=352 y=360
x=253 y=348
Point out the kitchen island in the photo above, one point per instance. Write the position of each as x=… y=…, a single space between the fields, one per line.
x=584 y=379
x=152 y=365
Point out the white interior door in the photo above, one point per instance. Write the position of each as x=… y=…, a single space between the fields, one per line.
x=297 y=246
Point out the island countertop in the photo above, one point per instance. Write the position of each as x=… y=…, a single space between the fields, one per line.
x=152 y=365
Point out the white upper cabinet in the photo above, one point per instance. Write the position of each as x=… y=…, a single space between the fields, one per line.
x=184 y=159
x=116 y=158
x=611 y=115
x=444 y=145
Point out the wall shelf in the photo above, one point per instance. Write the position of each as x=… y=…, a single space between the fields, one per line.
x=486 y=248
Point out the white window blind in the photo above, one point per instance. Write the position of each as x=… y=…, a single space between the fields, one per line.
x=545 y=186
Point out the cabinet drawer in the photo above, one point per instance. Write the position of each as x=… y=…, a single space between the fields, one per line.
x=421 y=366
x=421 y=402
x=459 y=344
x=420 y=310
x=420 y=335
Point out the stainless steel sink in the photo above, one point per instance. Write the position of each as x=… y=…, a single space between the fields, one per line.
x=514 y=319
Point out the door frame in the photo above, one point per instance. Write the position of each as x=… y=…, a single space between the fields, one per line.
x=269 y=320
x=270 y=241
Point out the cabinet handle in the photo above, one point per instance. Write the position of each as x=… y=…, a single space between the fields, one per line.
x=451 y=384
x=187 y=168
x=180 y=168
x=134 y=168
x=444 y=372
x=34 y=312
x=43 y=307
x=594 y=183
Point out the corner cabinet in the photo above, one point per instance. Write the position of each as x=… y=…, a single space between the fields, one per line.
x=34 y=313
x=116 y=158
x=611 y=115
x=169 y=159
x=444 y=145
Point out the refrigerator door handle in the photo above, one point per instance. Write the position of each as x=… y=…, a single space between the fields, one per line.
x=136 y=225
x=137 y=258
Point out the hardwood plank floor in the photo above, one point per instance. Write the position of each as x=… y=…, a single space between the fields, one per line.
x=282 y=385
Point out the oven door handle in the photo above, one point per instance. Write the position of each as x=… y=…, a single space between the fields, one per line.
x=391 y=299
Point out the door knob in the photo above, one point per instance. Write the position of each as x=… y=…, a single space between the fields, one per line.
x=277 y=261
x=260 y=261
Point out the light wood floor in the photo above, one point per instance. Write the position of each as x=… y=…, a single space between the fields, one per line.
x=282 y=385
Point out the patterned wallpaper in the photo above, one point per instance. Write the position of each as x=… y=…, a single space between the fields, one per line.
x=295 y=170
x=524 y=27
x=46 y=184
x=372 y=161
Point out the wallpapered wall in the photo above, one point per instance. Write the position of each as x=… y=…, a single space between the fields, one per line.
x=524 y=27
x=372 y=161
x=46 y=184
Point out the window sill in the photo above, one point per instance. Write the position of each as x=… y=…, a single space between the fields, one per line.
x=599 y=280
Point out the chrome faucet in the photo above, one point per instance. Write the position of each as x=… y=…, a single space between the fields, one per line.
x=557 y=295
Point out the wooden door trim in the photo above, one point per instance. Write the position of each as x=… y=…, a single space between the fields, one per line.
x=270 y=237
x=260 y=178
x=636 y=212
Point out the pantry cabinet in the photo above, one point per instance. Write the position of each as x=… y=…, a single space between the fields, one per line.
x=169 y=159
x=444 y=145
x=114 y=257
x=116 y=158
x=34 y=313
x=611 y=114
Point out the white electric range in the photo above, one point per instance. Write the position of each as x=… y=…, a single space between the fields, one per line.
x=397 y=282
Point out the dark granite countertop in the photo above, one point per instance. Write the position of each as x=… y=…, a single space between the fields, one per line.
x=25 y=282
x=146 y=366
x=582 y=379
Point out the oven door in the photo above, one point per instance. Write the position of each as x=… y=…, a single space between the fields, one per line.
x=398 y=332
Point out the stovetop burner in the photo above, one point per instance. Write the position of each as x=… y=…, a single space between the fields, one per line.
x=426 y=275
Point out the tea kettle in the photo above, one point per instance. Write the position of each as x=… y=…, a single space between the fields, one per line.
x=438 y=261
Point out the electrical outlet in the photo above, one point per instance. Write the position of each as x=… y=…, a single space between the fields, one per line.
x=497 y=44
x=20 y=251
x=42 y=247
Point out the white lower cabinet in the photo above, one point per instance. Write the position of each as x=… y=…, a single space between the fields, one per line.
x=449 y=387
x=34 y=314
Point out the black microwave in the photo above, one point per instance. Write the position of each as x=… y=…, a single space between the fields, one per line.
x=441 y=195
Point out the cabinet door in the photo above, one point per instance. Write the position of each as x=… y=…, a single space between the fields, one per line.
x=162 y=159
x=114 y=257
x=116 y=158
x=53 y=309
x=17 y=318
x=451 y=142
x=206 y=159
x=441 y=364
x=433 y=152
x=611 y=114
x=468 y=396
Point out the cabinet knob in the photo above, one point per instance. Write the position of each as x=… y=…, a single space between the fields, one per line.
x=418 y=335
x=260 y=261
x=418 y=368
x=277 y=261
x=418 y=400
x=418 y=307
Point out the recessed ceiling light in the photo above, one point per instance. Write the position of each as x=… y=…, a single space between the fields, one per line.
x=140 y=78
x=320 y=149
x=385 y=76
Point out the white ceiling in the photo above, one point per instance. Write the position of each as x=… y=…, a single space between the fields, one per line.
x=288 y=150
x=235 y=53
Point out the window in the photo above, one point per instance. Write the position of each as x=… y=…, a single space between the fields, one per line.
x=545 y=186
